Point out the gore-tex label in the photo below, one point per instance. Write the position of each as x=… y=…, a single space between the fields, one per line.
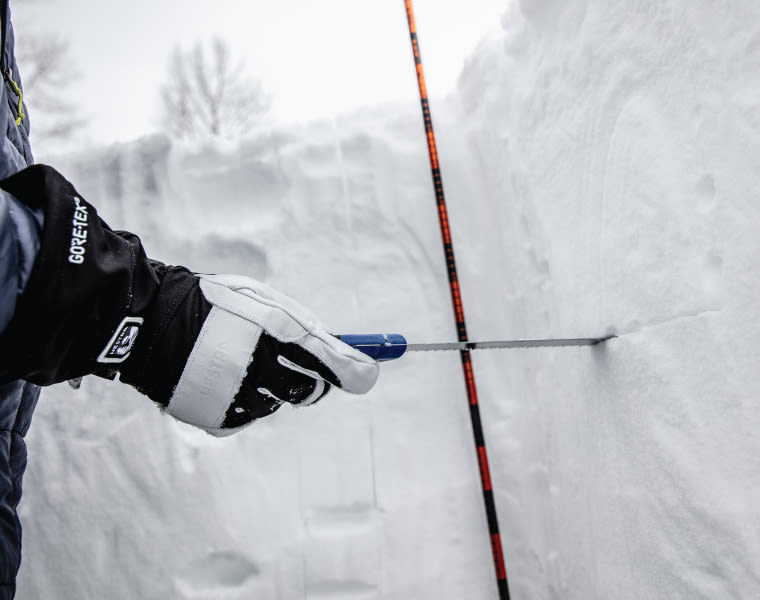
x=120 y=345
x=79 y=230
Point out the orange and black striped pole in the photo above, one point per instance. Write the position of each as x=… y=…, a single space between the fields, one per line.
x=456 y=299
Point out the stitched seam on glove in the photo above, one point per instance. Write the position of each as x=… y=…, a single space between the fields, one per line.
x=133 y=271
x=161 y=328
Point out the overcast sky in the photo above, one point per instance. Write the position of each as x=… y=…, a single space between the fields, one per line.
x=316 y=57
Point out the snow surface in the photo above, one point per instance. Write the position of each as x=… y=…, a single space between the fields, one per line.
x=601 y=165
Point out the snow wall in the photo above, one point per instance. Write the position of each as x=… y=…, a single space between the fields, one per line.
x=601 y=165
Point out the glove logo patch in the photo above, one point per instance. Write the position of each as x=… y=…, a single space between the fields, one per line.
x=77 y=249
x=120 y=345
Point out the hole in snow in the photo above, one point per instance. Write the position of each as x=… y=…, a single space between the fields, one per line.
x=218 y=570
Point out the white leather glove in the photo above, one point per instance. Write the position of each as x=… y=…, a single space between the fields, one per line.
x=259 y=347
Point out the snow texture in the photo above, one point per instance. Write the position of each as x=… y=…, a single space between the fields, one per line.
x=600 y=161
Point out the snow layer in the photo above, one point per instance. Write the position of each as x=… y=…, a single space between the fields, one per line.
x=601 y=165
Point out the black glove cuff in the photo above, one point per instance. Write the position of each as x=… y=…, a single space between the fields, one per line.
x=90 y=292
x=172 y=324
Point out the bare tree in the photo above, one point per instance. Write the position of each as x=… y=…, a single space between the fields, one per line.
x=48 y=77
x=207 y=95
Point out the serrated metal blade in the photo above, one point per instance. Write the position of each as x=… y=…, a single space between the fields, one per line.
x=432 y=347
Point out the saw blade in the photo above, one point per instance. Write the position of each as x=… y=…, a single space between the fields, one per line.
x=389 y=346
x=550 y=343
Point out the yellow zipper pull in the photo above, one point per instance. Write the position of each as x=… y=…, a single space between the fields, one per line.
x=19 y=93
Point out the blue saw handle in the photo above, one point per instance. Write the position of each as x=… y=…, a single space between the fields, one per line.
x=380 y=346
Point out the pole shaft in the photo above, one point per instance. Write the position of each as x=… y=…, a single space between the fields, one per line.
x=456 y=300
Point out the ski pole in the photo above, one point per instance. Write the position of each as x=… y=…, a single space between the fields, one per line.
x=468 y=371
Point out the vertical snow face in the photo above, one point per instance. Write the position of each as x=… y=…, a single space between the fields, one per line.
x=612 y=184
x=600 y=164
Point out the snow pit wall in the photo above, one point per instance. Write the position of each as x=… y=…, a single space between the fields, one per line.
x=601 y=172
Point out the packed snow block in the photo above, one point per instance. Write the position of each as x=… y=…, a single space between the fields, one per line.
x=218 y=574
x=336 y=471
x=338 y=497
x=342 y=559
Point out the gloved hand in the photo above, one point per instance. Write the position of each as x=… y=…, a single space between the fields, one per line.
x=217 y=351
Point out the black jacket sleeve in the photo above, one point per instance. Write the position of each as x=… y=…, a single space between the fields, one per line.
x=87 y=285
